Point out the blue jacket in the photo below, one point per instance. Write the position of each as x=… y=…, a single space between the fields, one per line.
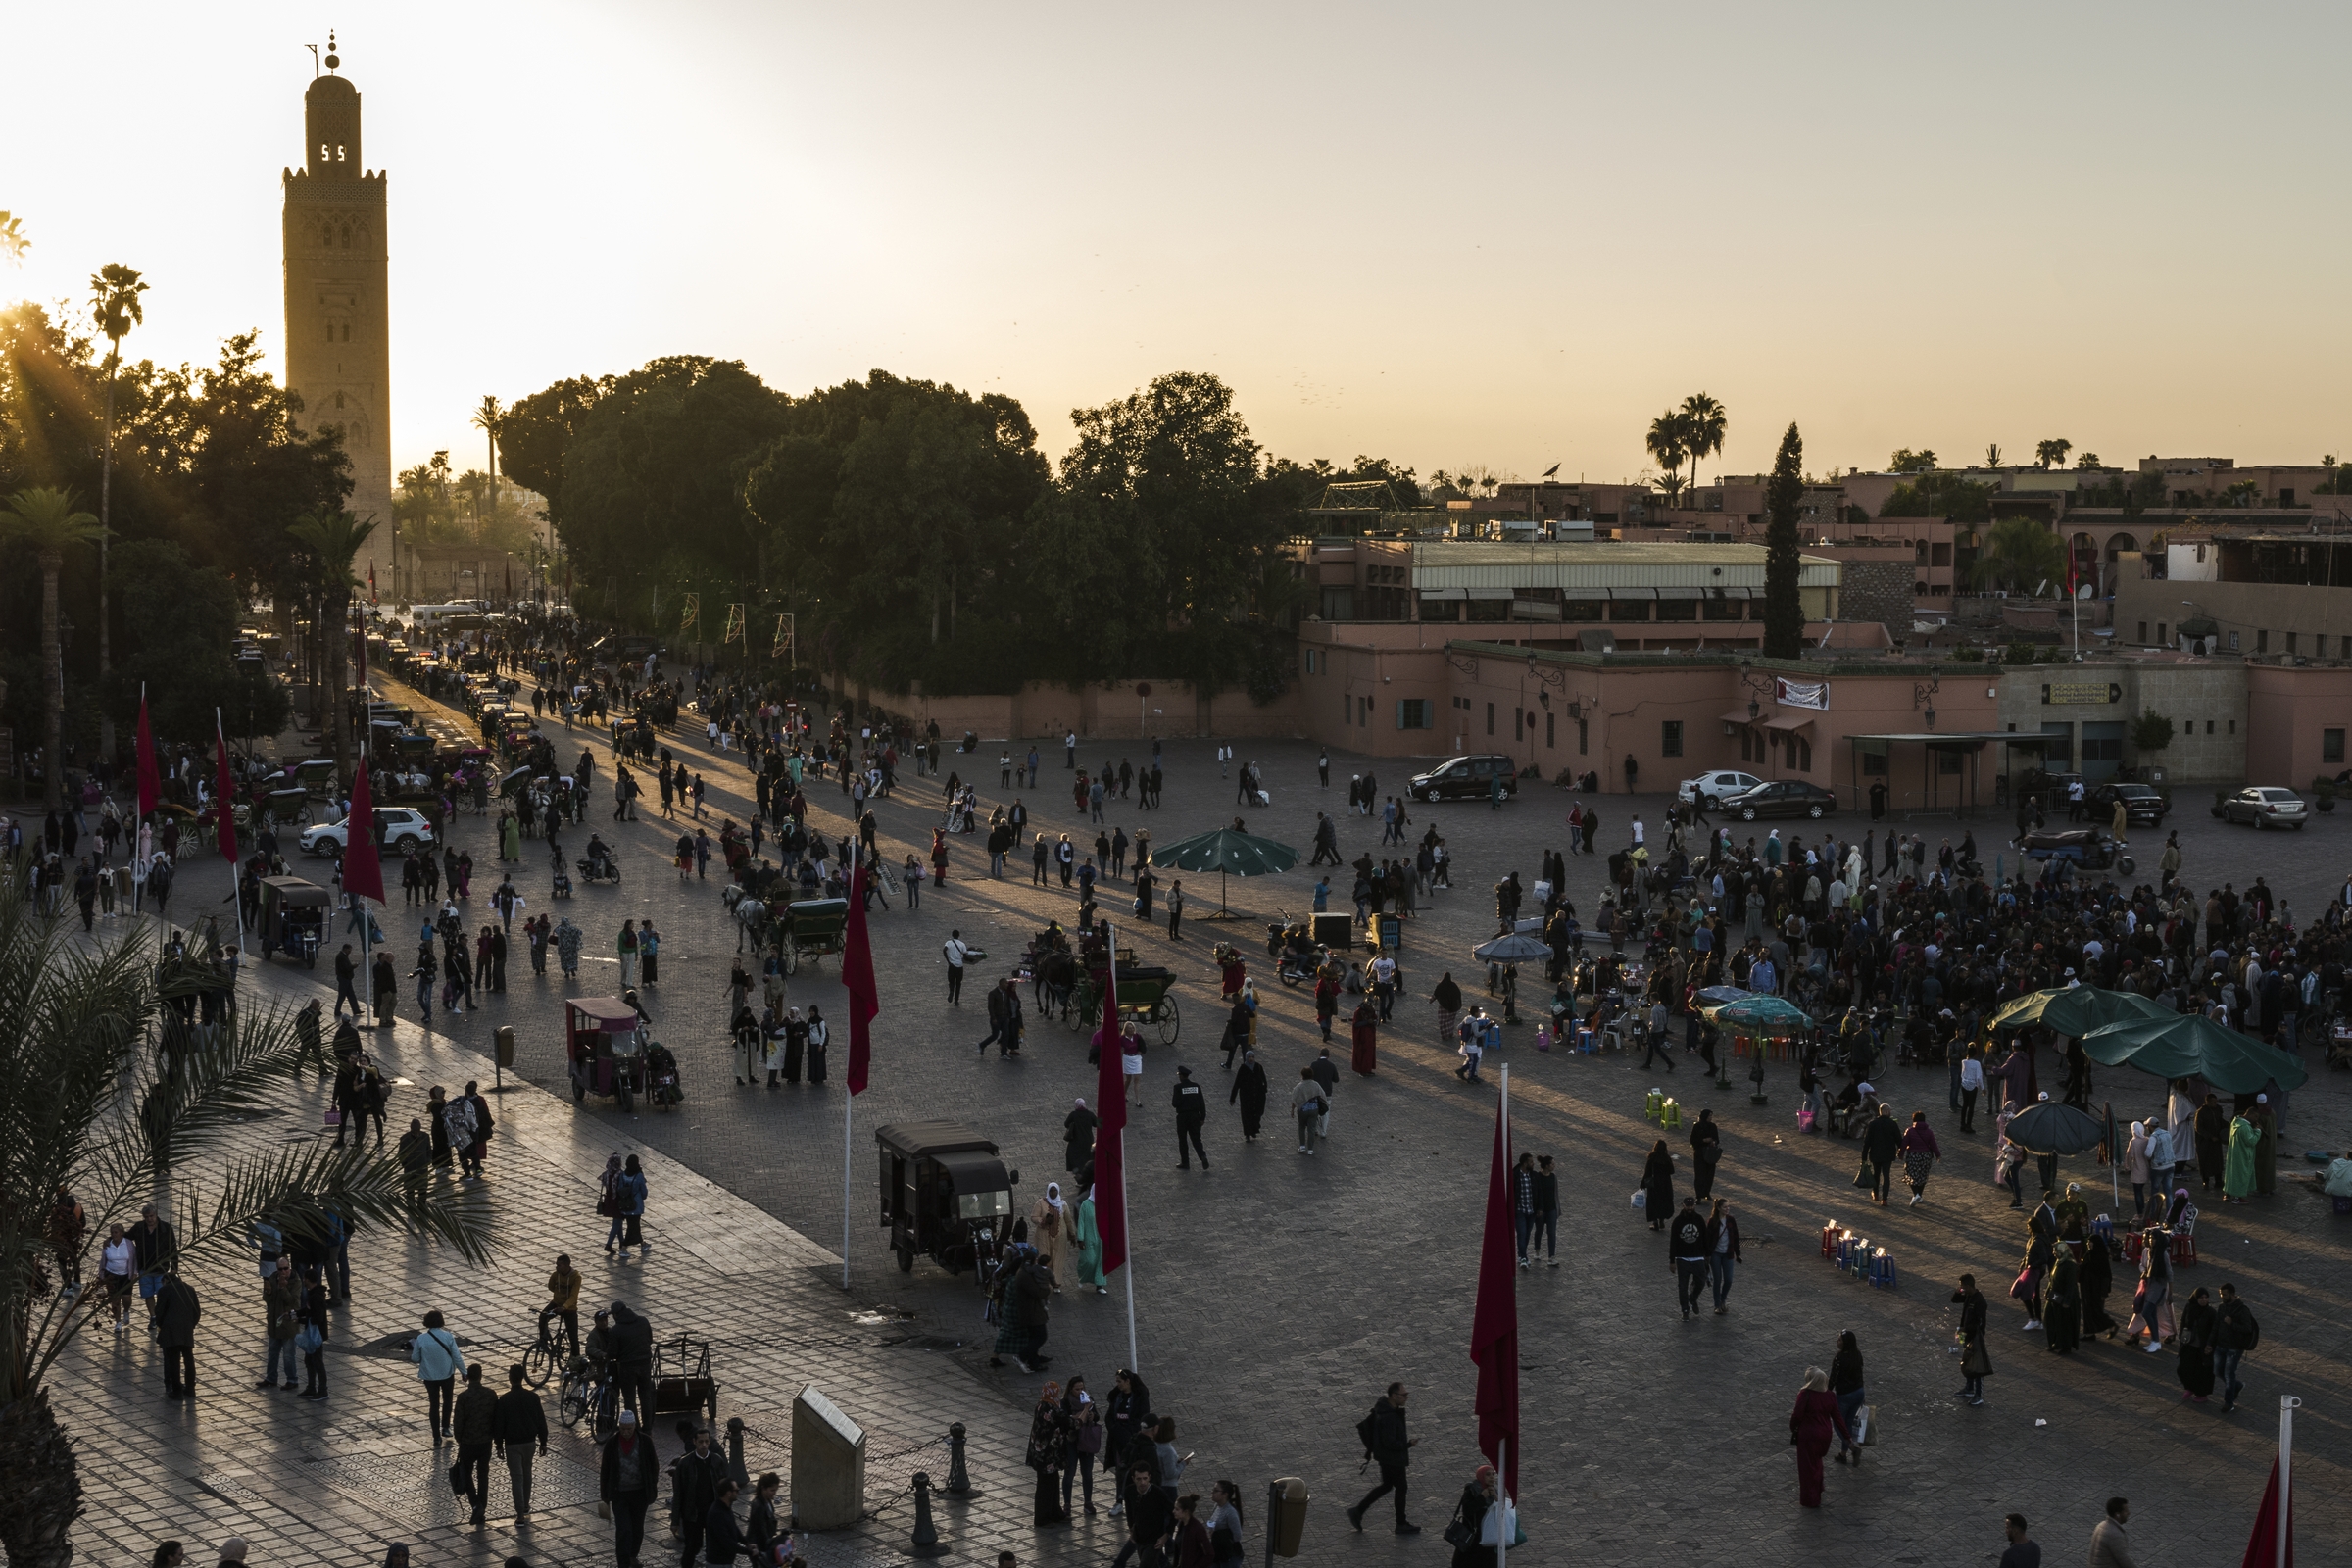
x=436 y=1355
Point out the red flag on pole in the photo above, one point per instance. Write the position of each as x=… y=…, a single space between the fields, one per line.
x=362 y=866
x=857 y=978
x=223 y=794
x=151 y=778
x=2264 y=1548
x=1494 y=1327
x=1110 y=1111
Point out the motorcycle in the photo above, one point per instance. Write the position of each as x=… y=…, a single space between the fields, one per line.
x=1294 y=968
x=593 y=871
x=1282 y=934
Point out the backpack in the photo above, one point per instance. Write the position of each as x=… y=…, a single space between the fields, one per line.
x=1368 y=1428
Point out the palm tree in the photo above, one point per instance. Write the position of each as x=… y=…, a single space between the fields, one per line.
x=1669 y=441
x=491 y=420
x=1992 y=454
x=332 y=540
x=115 y=292
x=46 y=522
x=100 y=1100
x=2020 y=554
x=2047 y=452
x=1704 y=421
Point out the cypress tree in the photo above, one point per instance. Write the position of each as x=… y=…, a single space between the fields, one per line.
x=1784 y=610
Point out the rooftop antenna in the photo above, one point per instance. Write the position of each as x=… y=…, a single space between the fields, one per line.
x=333 y=61
x=313 y=49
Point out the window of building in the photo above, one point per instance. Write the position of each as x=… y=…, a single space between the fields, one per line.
x=2160 y=638
x=1670 y=738
x=1874 y=764
x=1516 y=716
x=1629 y=609
x=1363 y=712
x=2331 y=746
x=1489 y=609
x=2233 y=642
x=2233 y=728
x=1490 y=718
x=2209 y=727
x=1947 y=762
x=2290 y=641
x=1549 y=721
x=1581 y=610
x=1310 y=660
x=2262 y=642
x=1678 y=609
x=1583 y=737
x=1415 y=713
x=2143 y=631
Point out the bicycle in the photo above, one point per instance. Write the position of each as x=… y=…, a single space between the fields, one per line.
x=540 y=1359
x=584 y=1391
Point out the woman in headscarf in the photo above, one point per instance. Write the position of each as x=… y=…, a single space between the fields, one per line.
x=1811 y=1425
x=2238 y=1176
x=1365 y=1028
x=1086 y=1244
x=1049 y=1446
x=1249 y=1093
x=2194 y=1342
x=1448 y=998
x=1921 y=1152
x=1658 y=1186
x=1050 y=1232
x=2096 y=1277
x=2062 y=1304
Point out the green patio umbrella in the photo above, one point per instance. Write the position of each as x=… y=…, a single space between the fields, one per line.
x=2078 y=1009
x=1228 y=854
x=1761 y=1012
x=2192 y=1046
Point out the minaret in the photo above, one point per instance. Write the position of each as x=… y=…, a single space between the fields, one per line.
x=337 y=318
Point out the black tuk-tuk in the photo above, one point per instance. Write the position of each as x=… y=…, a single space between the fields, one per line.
x=605 y=1044
x=294 y=915
x=945 y=1195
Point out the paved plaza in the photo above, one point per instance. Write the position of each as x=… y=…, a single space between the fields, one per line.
x=1275 y=1295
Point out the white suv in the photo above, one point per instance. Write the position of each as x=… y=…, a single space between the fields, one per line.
x=397 y=827
x=1711 y=790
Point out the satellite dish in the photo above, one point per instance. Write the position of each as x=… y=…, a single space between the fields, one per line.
x=2084 y=592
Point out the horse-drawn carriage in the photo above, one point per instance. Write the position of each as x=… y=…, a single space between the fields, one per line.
x=810 y=928
x=1143 y=995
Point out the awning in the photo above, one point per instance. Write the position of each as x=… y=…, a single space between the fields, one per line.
x=1681 y=593
x=1740 y=716
x=1492 y=593
x=1445 y=594
x=2198 y=626
x=1787 y=723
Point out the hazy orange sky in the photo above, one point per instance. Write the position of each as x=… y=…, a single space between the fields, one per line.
x=1498 y=234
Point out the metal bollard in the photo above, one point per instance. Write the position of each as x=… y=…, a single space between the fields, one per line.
x=743 y=1476
x=926 y=1534
x=959 y=1480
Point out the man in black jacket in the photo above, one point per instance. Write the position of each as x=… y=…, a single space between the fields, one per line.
x=2234 y=1333
x=1385 y=1439
x=628 y=1478
x=1880 y=1142
x=633 y=1358
x=474 y=1423
x=1151 y=1518
x=177 y=1314
x=699 y=1472
x=1192 y=1115
x=518 y=1423
x=1687 y=1254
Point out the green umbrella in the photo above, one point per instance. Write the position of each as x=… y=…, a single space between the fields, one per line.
x=1762 y=1012
x=2078 y=1009
x=2193 y=1046
x=1226 y=852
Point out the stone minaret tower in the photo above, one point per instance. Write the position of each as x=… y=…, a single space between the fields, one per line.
x=337 y=317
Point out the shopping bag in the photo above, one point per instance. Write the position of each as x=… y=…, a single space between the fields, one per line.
x=1861 y=1425
x=334 y=1115
x=1640 y=1199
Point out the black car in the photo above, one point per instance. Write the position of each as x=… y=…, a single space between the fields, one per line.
x=2143 y=803
x=1787 y=796
x=630 y=648
x=1464 y=778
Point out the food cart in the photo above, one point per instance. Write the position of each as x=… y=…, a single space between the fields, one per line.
x=293 y=918
x=604 y=1041
x=945 y=1195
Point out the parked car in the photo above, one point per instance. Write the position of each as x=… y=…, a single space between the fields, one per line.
x=2144 y=805
x=1710 y=790
x=2266 y=807
x=1784 y=797
x=397 y=827
x=1464 y=778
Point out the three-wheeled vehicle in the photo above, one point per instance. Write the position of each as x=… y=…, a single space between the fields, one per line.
x=945 y=1195
x=294 y=915
x=605 y=1041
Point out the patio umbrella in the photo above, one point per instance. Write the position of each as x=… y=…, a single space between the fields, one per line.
x=1512 y=947
x=1226 y=853
x=2192 y=1046
x=1761 y=1013
x=2078 y=1009
x=1717 y=996
x=2053 y=1128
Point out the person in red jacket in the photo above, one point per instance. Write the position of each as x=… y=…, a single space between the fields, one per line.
x=1810 y=1425
x=1191 y=1535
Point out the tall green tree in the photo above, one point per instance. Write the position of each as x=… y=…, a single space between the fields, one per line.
x=332 y=540
x=48 y=524
x=2054 y=451
x=1669 y=441
x=2021 y=555
x=114 y=293
x=1703 y=425
x=89 y=1106
x=1783 y=496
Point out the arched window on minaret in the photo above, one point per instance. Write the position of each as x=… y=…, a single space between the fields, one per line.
x=347 y=236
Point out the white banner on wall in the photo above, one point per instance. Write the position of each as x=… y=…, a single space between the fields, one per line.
x=1801 y=693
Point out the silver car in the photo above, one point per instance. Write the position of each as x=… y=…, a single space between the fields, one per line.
x=2266 y=807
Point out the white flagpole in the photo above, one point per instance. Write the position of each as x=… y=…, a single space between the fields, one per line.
x=1116 y=1042
x=1502 y=1491
x=236 y=872
x=2288 y=1405
x=848 y=1106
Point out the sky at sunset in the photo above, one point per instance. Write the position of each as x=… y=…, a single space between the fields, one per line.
x=1461 y=234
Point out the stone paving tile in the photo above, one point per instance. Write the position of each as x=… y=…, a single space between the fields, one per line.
x=1272 y=1306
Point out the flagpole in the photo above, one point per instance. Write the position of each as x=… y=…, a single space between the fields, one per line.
x=1110 y=979
x=1502 y=1449
x=2288 y=1405
x=848 y=1107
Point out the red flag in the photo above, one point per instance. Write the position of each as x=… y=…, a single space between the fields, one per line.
x=1111 y=1109
x=151 y=778
x=362 y=866
x=857 y=978
x=223 y=795
x=1494 y=1327
x=2262 y=1546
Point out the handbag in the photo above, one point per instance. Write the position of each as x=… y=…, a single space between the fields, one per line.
x=1976 y=1361
x=1866 y=1426
x=334 y=1115
x=1862 y=1177
x=1640 y=1199
x=1459 y=1534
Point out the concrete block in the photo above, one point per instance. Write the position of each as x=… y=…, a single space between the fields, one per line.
x=828 y=1463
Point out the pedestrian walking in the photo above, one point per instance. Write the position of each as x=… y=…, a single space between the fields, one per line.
x=2023 y=1552
x=474 y=1427
x=1853 y=1392
x=1658 y=1186
x=1250 y=1088
x=628 y=1478
x=438 y=1364
x=2110 y=1545
x=1919 y=1151
x=1706 y=1149
x=1192 y=1115
x=2234 y=1333
x=1976 y=1358
x=1309 y=1103
x=1722 y=1243
x=1811 y=1425
x=1687 y=1254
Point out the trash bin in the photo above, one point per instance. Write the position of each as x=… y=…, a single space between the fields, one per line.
x=1333 y=931
x=1286 y=1515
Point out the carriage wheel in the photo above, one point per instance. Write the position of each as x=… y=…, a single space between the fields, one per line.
x=1164 y=1014
x=792 y=958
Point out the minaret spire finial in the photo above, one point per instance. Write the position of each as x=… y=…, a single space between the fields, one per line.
x=333 y=60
